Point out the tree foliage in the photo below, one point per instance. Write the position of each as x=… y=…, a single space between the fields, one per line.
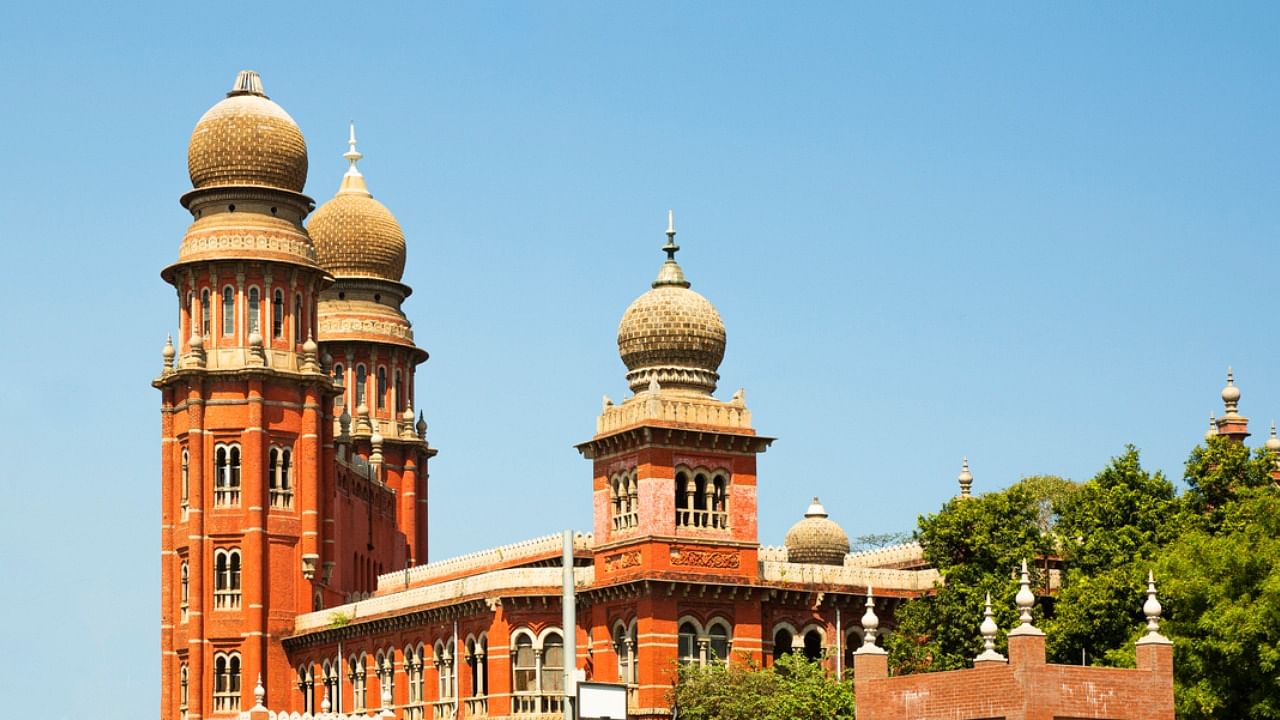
x=792 y=689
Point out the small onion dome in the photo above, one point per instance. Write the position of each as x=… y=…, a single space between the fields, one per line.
x=1273 y=442
x=672 y=334
x=246 y=139
x=1231 y=394
x=355 y=235
x=817 y=539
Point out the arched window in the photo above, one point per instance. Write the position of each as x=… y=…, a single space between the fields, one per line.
x=553 y=663
x=226 y=682
x=688 y=644
x=255 y=310
x=524 y=666
x=812 y=645
x=478 y=662
x=385 y=661
x=355 y=673
x=297 y=318
x=382 y=387
x=226 y=474
x=781 y=643
x=185 y=487
x=204 y=312
x=413 y=662
x=185 y=595
x=307 y=686
x=226 y=579
x=720 y=502
x=279 y=481
x=624 y=645
x=445 y=683
x=188 y=313
x=277 y=315
x=184 y=691
x=228 y=311
x=400 y=398
x=362 y=375
x=683 y=517
x=332 y=681
x=717 y=643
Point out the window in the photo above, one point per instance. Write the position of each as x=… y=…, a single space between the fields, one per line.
x=356 y=675
x=717 y=643
x=697 y=647
x=331 y=682
x=553 y=663
x=386 y=665
x=279 y=482
x=525 y=665
x=782 y=639
x=277 y=315
x=444 y=672
x=228 y=311
x=688 y=645
x=813 y=645
x=399 y=387
x=226 y=474
x=413 y=662
x=184 y=691
x=185 y=483
x=702 y=500
x=226 y=579
x=307 y=686
x=382 y=388
x=297 y=318
x=624 y=504
x=361 y=377
x=624 y=646
x=185 y=596
x=255 y=308
x=187 y=312
x=478 y=662
x=226 y=682
x=204 y=312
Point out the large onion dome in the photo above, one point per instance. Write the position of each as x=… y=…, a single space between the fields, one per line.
x=817 y=539
x=356 y=236
x=671 y=333
x=246 y=139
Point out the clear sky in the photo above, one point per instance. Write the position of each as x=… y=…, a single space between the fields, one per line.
x=1028 y=233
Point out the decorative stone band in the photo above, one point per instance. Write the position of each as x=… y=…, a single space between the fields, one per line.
x=348 y=328
x=880 y=579
x=674 y=409
x=891 y=555
x=265 y=714
x=623 y=560
x=697 y=378
x=223 y=246
x=548 y=545
x=519 y=580
x=698 y=557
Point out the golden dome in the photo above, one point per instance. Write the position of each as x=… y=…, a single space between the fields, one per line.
x=246 y=139
x=817 y=539
x=672 y=334
x=355 y=235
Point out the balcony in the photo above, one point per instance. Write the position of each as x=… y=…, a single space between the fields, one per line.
x=444 y=710
x=537 y=705
x=477 y=707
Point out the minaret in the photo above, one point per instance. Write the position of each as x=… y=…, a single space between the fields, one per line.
x=242 y=412
x=674 y=468
x=363 y=328
x=1232 y=424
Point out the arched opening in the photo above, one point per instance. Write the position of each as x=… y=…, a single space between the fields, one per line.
x=781 y=643
x=813 y=645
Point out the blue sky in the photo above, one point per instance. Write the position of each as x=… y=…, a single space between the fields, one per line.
x=1026 y=233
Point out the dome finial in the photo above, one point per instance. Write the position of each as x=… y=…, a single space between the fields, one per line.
x=870 y=628
x=1213 y=427
x=670 y=273
x=965 y=478
x=1231 y=394
x=248 y=82
x=353 y=179
x=1025 y=600
x=989 y=630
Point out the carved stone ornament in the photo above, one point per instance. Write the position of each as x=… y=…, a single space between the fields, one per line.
x=697 y=557
x=623 y=560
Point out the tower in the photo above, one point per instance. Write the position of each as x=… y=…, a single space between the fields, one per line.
x=244 y=427
x=370 y=341
x=675 y=468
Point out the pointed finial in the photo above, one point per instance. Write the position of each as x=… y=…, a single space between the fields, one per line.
x=989 y=630
x=422 y=426
x=870 y=628
x=1213 y=427
x=169 y=353
x=325 y=705
x=1025 y=600
x=352 y=154
x=386 y=702
x=258 y=692
x=670 y=273
x=1151 y=608
x=353 y=179
x=1231 y=394
x=1273 y=442
x=965 y=478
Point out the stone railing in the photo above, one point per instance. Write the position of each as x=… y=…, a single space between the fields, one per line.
x=536 y=705
x=877 y=578
x=444 y=709
x=476 y=707
x=880 y=557
x=770 y=553
x=258 y=713
x=439 y=593
x=674 y=409
x=483 y=560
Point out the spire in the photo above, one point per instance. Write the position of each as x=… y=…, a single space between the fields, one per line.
x=353 y=179
x=670 y=273
x=1232 y=423
x=1025 y=600
x=248 y=82
x=965 y=478
x=258 y=693
x=989 y=630
x=870 y=628
x=1151 y=608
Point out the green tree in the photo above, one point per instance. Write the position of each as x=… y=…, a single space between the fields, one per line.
x=1218 y=470
x=976 y=544
x=792 y=689
x=1220 y=587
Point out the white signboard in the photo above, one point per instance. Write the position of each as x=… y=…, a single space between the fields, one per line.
x=602 y=701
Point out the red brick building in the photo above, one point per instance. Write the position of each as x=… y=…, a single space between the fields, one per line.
x=295 y=486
